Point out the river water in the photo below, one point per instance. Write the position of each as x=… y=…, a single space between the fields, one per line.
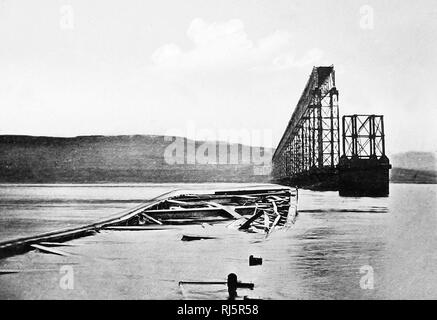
x=339 y=248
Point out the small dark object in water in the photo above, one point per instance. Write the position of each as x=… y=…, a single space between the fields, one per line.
x=249 y=298
x=232 y=286
x=254 y=261
x=194 y=238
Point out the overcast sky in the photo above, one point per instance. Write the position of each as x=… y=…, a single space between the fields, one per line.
x=73 y=67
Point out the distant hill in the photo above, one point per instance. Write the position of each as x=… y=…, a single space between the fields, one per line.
x=141 y=158
x=414 y=167
x=100 y=159
x=426 y=161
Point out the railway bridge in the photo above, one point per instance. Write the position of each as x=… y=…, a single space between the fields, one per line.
x=308 y=154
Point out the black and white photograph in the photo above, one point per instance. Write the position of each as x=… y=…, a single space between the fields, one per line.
x=218 y=150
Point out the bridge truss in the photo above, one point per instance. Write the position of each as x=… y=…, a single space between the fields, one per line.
x=363 y=136
x=310 y=144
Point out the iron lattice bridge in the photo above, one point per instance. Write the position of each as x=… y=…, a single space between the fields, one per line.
x=310 y=145
x=308 y=153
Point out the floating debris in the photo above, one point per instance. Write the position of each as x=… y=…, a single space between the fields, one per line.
x=194 y=238
x=139 y=228
x=50 y=250
x=56 y=244
x=13 y=271
x=254 y=261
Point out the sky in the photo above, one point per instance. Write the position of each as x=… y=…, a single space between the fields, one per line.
x=204 y=69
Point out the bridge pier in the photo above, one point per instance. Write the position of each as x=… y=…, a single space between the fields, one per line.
x=363 y=177
x=363 y=167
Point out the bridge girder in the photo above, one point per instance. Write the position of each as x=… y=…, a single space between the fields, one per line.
x=311 y=141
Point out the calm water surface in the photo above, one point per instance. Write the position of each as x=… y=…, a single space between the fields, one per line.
x=318 y=258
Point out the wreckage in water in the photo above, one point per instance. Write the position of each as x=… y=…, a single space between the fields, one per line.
x=260 y=209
